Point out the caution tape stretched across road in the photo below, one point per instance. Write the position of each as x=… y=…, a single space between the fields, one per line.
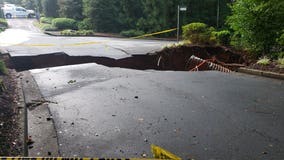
x=156 y=33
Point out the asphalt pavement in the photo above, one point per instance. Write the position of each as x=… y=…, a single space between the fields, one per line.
x=114 y=112
x=24 y=39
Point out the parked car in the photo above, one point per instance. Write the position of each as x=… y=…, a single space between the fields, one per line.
x=13 y=11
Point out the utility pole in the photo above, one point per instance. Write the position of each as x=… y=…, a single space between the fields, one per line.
x=178 y=23
x=180 y=8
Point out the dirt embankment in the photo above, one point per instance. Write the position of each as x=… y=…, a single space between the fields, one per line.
x=10 y=131
x=179 y=58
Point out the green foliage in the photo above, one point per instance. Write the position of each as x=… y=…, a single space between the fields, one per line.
x=85 y=24
x=29 y=4
x=77 y=33
x=50 y=8
x=280 y=62
x=198 y=33
x=131 y=33
x=64 y=23
x=3 y=23
x=280 y=40
x=223 y=37
x=3 y=69
x=47 y=20
x=103 y=15
x=47 y=27
x=263 y=61
x=256 y=24
x=71 y=9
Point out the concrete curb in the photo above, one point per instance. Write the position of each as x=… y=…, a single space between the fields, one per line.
x=40 y=123
x=261 y=73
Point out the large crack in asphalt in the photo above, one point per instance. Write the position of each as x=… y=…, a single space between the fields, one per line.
x=176 y=59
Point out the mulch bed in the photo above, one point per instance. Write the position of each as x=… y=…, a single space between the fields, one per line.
x=10 y=132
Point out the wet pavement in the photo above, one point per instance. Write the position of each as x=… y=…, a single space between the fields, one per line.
x=114 y=112
x=23 y=38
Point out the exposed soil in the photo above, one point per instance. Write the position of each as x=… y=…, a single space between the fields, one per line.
x=176 y=59
x=10 y=131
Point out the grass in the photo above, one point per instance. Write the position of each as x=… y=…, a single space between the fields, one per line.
x=280 y=62
x=3 y=69
x=264 y=61
x=179 y=44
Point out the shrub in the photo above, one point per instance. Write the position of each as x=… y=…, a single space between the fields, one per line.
x=223 y=37
x=263 y=61
x=3 y=23
x=47 y=20
x=69 y=32
x=85 y=25
x=3 y=69
x=280 y=62
x=198 y=33
x=48 y=27
x=64 y=23
x=131 y=33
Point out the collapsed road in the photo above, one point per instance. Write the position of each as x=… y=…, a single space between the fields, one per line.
x=92 y=110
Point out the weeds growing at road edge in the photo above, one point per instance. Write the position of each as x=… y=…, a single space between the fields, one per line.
x=263 y=61
x=280 y=62
x=3 y=69
x=179 y=44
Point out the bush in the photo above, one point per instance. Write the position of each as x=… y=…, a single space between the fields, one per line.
x=69 y=32
x=280 y=62
x=85 y=25
x=198 y=33
x=3 y=23
x=64 y=23
x=48 y=27
x=223 y=37
x=280 y=40
x=131 y=33
x=3 y=69
x=47 y=20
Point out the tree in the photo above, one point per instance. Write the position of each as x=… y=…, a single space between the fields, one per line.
x=257 y=23
x=71 y=9
x=29 y=4
x=50 y=8
x=103 y=14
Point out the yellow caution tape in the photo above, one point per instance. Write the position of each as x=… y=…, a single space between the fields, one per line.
x=160 y=153
x=156 y=33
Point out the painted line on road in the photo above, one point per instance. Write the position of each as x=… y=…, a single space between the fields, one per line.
x=52 y=45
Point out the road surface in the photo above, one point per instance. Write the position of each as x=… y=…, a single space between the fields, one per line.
x=23 y=38
x=114 y=112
